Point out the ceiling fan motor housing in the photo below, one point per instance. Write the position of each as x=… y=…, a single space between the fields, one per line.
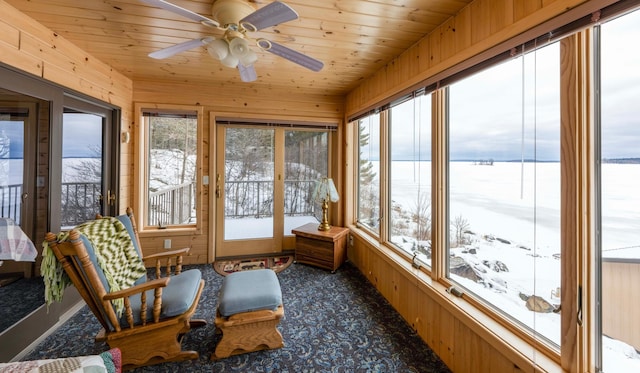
x=230 y=12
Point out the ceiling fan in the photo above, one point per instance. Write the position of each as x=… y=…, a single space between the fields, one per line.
x=237 y=18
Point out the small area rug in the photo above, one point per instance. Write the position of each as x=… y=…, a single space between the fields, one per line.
x=230 y=265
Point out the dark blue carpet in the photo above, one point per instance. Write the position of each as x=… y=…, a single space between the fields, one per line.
x=333 y=323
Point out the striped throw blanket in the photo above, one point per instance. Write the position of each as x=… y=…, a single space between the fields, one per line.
x=115 y=254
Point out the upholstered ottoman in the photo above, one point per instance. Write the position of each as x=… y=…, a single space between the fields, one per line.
x=249 y=310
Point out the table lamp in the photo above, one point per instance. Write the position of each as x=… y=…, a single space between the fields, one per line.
x=325 y=191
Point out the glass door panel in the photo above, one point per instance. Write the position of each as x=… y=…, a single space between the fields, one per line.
x=12 y=125
x=306 y=161
x=82 y=165
x=248 y=183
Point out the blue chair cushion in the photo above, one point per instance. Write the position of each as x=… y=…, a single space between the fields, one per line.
x=126 y=221
x=177 y=297
x=246 y=291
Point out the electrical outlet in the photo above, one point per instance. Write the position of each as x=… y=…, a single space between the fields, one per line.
x=350 y=241
x=167 y=244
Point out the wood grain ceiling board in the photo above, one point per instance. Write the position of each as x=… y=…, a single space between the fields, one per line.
x=353 y=38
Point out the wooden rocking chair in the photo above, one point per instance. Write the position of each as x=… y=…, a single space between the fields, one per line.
x=156 y=314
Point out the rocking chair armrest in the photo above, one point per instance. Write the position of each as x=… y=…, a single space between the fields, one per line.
x=153 y=284
x=168 y=254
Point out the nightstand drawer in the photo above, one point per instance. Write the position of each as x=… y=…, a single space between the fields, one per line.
x=314 y=248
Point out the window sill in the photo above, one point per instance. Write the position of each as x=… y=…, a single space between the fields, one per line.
x=512 y=346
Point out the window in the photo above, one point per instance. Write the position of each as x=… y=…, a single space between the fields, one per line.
x=171 y=161
x=410 y=177
x=619 y=199
x=369 y=173
x=504 y=189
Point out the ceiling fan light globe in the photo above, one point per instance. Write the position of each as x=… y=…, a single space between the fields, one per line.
x=249 y=58
x=239 y=47
x=218 y=49
x=230 y=61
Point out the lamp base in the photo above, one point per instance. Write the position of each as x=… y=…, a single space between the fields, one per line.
x=324 y=226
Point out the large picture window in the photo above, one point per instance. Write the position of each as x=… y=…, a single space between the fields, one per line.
x=504 y=189
x=410 y=177
x=369 y=173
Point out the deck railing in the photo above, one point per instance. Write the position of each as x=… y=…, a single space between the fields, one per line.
x=173 y=205
x=10 y=201
x=255 y=198
x=80 y=202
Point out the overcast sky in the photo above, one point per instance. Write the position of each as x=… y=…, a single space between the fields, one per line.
x=82 y=134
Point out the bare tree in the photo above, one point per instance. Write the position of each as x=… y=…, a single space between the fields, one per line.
x=422 y=217
x=460 y=226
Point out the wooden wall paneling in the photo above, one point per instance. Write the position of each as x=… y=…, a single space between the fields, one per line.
x=10 y=53
x=384 y=276
x=10 y=35
x=435 y=56
x=501 y=15
x=273 y=102
x=429 y=320
x=461 y=349
x=422 y=50
x=447 y=338
x=462 y=29
x=480 y=20
x=401 y=296
x=448 y=39
x=357 y=254
x=522 y=8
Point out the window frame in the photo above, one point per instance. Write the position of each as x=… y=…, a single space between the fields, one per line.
x=141 y=168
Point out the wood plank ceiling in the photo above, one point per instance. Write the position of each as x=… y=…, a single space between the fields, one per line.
x=354 y=38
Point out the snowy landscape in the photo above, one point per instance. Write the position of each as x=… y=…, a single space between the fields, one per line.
x=512 y=240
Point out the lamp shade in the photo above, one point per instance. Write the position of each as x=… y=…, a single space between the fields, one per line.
x=325 y=191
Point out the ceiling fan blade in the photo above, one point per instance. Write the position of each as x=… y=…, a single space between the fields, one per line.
x=247 y=73
x=182 y=11
x=269 y=15
x=178 y=48
x=291 y=55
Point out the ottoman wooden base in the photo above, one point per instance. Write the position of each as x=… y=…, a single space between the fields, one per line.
x=247 y=332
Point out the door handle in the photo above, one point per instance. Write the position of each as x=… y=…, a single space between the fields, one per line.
x=111 y=198
x=218 y=192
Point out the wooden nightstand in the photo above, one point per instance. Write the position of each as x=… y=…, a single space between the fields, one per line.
x=324 y=249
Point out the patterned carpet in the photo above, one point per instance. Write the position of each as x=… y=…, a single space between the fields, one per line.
x=31 y=293
x=333 y=323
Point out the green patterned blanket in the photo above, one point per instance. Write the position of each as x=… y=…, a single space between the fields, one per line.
x=115 y=254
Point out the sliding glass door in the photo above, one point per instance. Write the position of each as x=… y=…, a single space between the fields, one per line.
x=263 y=186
